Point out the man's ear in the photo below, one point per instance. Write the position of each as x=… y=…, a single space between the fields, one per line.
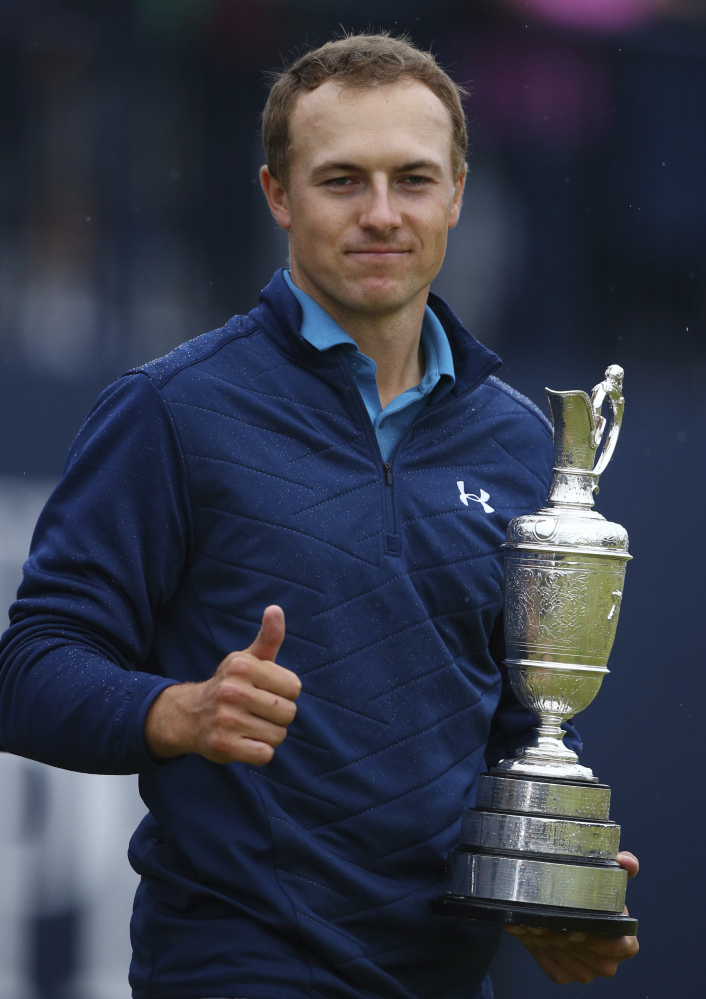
x=459 y=186
x=277 y=197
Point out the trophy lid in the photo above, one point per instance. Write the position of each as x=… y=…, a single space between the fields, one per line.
x=574 y=425
x=578 y=427
x=568 y=521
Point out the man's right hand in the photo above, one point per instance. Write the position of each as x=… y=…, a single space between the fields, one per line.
x=239 y=715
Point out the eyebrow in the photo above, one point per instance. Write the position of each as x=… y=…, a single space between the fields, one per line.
x=334 y=166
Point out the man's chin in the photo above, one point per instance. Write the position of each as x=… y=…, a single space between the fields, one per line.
x=377 y=296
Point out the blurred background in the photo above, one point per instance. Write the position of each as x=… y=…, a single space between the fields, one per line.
x=131 y=219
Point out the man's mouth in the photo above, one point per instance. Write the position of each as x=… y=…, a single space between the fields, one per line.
x=379 y=251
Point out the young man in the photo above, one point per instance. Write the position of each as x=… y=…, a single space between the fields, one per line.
x=303 y=459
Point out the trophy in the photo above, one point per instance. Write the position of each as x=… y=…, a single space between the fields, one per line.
x=539 y=848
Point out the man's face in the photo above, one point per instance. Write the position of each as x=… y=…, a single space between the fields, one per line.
x=371 y=196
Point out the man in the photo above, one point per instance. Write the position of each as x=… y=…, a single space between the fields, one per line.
x=303 y=459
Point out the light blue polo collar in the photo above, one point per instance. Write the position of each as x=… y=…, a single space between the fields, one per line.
x=323 y=332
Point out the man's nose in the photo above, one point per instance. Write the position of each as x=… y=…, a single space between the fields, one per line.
x=379 y=212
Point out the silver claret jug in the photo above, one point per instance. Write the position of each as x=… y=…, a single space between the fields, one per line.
x=539 y=848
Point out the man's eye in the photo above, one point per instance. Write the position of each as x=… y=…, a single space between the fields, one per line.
x=340 y=182
x=415 y=180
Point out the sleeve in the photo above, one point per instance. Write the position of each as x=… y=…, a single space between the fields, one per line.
x=107 y=552
x=512 y=727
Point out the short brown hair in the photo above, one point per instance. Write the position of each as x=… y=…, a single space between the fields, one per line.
x=356 y=61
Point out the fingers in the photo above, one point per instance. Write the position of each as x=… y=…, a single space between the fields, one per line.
x=246 y=669
x=243 y=715
x=245 y=724
x=564 y=967
x=240 y=715
x=617 y=948
x=256 y=664
x=629 y=861
x=258 y=693
x=575 y=957
x=220 y=748
x=250 y=700
x=245 y=739
x=271 y=634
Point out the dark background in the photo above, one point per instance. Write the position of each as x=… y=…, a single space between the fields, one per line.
x=131 y=219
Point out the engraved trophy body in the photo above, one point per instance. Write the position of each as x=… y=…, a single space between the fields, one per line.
x=539 y=848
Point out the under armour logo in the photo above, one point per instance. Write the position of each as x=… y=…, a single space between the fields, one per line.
x=465 y=497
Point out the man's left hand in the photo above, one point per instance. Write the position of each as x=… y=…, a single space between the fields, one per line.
x=579 y=957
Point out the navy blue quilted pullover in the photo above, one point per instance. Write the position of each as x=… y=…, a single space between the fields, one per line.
x=241 y=470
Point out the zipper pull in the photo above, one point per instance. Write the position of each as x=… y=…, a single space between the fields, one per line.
x=388 y=472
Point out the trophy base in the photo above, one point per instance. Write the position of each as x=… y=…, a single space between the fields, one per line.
x=538 y=852
x=516 y=914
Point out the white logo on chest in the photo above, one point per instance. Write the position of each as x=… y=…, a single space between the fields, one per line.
x=482 y=499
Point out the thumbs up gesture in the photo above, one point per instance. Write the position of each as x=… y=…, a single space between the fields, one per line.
x=240 y=714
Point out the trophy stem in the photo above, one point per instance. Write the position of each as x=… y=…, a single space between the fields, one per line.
x=550 y=737
x=549 y=758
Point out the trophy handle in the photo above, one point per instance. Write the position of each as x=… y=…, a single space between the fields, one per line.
x=612 y=387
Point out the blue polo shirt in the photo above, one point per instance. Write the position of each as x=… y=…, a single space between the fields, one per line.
x=389 y=423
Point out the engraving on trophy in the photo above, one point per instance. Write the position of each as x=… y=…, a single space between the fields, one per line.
x=545 y=607
x=564 y=573
x=617 y=597
x=561 y=610
x=544 y=529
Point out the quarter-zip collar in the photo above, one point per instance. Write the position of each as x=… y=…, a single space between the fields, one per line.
x=279 y=314
x=322 y=330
